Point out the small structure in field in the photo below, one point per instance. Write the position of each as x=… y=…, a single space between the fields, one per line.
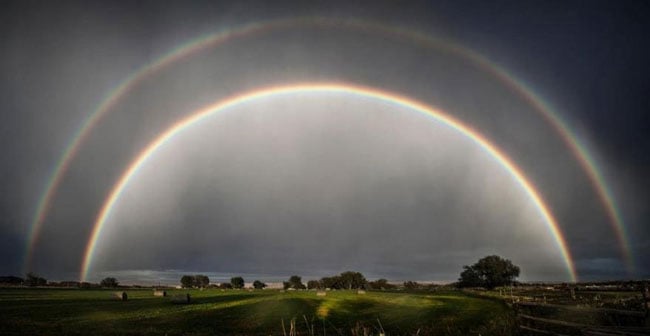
x=321 y=293
x=181 y=299
x=361 y=291
x=120 y=296
x=158 y=292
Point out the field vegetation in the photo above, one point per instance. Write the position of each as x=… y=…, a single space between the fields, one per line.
x=49 y=311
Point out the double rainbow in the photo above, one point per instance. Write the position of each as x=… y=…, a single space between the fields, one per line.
x=194 y=46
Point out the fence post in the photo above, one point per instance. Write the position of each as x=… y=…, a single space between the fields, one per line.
x=646 y=302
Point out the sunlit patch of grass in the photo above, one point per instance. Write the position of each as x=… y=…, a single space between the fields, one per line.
x=212 y=312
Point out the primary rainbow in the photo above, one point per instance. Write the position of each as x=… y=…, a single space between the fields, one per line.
x=204 y=42
x=225 y=104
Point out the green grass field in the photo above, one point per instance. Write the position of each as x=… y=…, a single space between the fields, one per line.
x=214 y=312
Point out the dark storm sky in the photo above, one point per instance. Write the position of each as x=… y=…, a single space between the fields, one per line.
x=589 y=60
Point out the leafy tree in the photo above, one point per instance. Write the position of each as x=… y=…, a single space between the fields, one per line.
x=489 y=272
x=314 y=284
x=469 y=277
x=333 y=282
x=353 y=280
x=109 y=282
x=295 y=282
x=258 y=284
x=225 y=285
x=345 y=280
x=201 y=281
x=237 y=282
x=34 y=280
x=187 y=281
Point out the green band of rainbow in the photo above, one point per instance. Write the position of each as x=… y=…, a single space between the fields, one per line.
x=437 y=115
x=177 y=54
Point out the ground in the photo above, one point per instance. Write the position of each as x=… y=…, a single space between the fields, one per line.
x=261 y=312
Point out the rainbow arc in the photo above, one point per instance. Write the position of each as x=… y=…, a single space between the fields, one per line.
x=221 y=38
x=324 y=88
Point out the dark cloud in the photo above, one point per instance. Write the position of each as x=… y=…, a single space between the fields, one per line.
x=331 y=184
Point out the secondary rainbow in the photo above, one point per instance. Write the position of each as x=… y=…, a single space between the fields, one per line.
x=228 y=103
x=204 y=42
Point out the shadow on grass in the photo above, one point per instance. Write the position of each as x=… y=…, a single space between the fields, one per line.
x=441 y=316
x=262 y=317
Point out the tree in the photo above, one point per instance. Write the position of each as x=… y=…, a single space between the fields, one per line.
x=345 y=280
x=489 y=272
x=109 y=282
x=314 y=284
x=225 y=285
x=353 y=280
x=469 y=277
x=187 y=281
x=34 y=280
x=333 y=282
x=295 y=282
x=237 y=282
x=258 y=284
x=201 y=281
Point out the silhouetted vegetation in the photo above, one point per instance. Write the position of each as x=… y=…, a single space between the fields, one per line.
x=237 y=282
x=201 y=281
x=258 y=284
x=489 y=272
x=33 y=280
x=380 y=284
x=411 y=285
x=187 y=281
x=11 y=280
x=195 y=281
x=109 y=283
x=225 y=285
x=345 y=280
x=295 y=282
x=314 y=284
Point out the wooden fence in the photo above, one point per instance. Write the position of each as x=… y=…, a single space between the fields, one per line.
x=562 y=320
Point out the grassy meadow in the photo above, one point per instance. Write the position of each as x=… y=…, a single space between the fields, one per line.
x=217 y=312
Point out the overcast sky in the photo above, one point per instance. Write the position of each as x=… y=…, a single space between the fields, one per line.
x=316 y=184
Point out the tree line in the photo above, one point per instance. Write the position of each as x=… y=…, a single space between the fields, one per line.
x=489 y=272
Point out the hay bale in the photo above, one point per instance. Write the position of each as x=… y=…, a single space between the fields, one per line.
x=120 y=296
x=181 y=298
x=321 y=293
x=361 y=291
x=159 y=293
